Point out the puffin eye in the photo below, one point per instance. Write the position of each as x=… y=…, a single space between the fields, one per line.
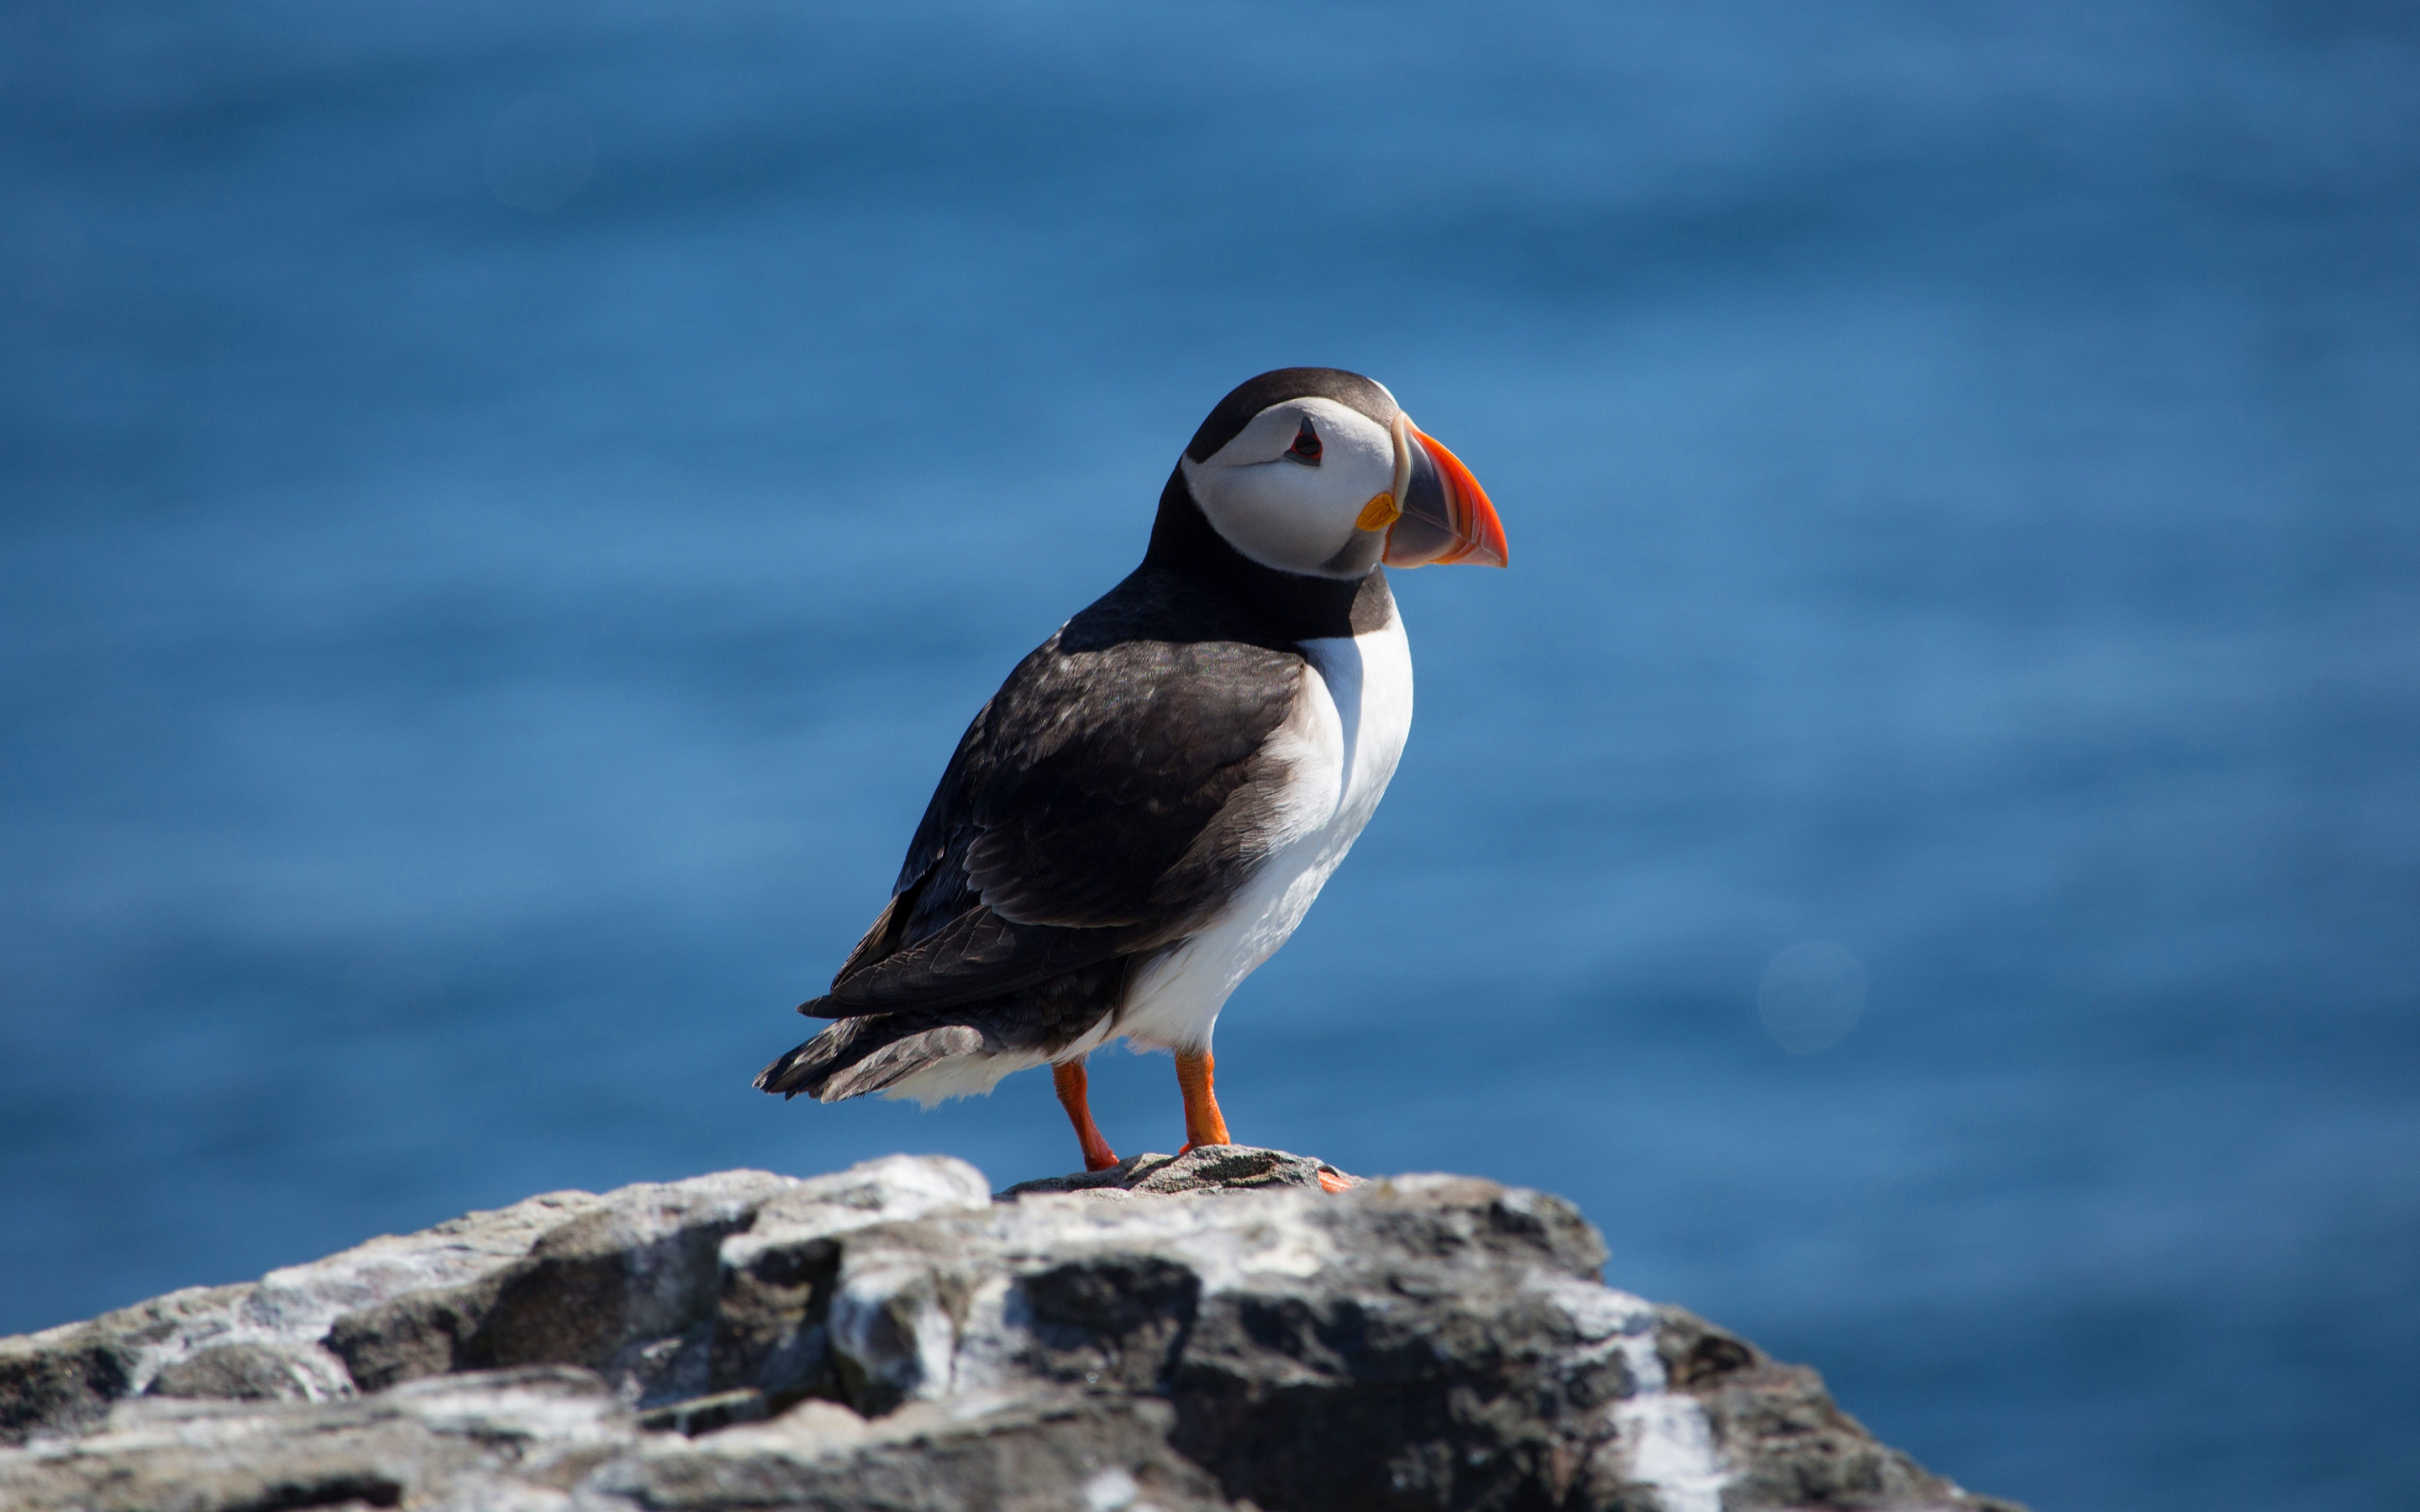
x=1306 y=445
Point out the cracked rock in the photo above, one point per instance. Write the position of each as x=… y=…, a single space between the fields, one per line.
x=1221 y=1329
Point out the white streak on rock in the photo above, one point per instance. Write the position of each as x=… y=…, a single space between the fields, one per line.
x=893 y=1189
x=891 y=1322
x=1664 y=1435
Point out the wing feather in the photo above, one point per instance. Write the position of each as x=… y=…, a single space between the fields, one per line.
x=1105 y=802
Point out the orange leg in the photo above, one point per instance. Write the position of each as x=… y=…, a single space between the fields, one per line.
x=1069 y=1077
x=1203 y=1123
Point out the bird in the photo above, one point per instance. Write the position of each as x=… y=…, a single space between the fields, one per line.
x=1152 y=801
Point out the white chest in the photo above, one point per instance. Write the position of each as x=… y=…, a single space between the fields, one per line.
x=1340 y=746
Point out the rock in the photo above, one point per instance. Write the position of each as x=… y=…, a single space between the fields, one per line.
x=63 y=1380
x=246 y=1373
x=1211 y=1169
x=768 y=1329
x=504 y=1439
x=1043 y=1451
x=624 y=1286
x=704 y=1414
x=1219 y=1329
x=1793 y=1445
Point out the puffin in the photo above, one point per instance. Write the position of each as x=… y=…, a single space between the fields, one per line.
x=1149 y=805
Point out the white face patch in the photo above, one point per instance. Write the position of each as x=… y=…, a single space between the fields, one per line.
x=1284 y=511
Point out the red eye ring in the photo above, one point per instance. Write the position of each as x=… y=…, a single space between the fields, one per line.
x=1305 y=447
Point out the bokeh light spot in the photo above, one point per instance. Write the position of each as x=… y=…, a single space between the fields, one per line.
x=1812 y=996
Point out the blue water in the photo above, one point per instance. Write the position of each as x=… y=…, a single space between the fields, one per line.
x=506 y=510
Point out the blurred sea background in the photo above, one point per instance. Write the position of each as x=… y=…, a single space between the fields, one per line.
x=508 y=508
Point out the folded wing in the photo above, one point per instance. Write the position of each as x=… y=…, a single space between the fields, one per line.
x=1106 y=802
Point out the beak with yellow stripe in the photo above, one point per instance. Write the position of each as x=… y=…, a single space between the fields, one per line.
x=1437 y=514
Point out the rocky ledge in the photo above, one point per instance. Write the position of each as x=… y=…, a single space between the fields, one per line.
x=1210 y=1332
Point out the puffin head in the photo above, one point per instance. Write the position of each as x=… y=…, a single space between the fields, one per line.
x=1318 y=471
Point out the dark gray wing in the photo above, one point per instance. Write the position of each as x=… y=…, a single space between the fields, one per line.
x=1107 y=800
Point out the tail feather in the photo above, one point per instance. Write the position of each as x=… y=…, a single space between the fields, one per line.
x=876 y=1052
x=898 y=1060
x=866 y=1055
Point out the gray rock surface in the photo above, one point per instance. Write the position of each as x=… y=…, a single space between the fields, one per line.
x=1215 y=1168
x=1213 y=1331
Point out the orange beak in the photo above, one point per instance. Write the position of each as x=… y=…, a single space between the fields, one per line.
x=1440 y=513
